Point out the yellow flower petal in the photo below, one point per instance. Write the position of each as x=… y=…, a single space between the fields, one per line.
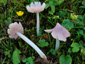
x=20 y=13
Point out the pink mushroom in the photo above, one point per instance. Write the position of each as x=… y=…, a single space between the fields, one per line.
x=59 y=33
x=16 y=30
x=36 y=7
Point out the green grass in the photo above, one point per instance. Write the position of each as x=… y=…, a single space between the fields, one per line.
x=53 y=13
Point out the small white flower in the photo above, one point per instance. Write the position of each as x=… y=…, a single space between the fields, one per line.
x=35 y=7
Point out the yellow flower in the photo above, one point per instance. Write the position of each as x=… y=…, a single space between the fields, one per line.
x=20 y=13
x=73 y=16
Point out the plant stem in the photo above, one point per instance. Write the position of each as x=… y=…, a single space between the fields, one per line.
x=38 y=23
x=42 y=55
x=57 y=44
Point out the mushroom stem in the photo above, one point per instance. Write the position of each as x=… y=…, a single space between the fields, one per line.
x=38 y=23
x=42 y=55
x=57 y=44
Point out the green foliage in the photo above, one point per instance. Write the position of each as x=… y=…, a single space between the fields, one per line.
x=28 y=60
x=73 y=16
x=33 y=0
x=67 y=24
x=42 y=43
x=83 y=51
x=2 y=38
x=62 y=14
x=14 y=1
x=52 y=51
x=8 y=21
x=7 y=53
x=65 y=59
x=75 y=47
x=70 y=50
x=57 y=11
x=2 y=19
x=83 y=3
x=41 y=31
x=80 y=32
x=84 y=36
x=3 y=1
x=16 y=56
x=56 y=17
x=53 y=4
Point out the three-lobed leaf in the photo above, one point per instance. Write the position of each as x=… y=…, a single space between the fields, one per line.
x=75 y=46
x=67 y=24
x=42 y=43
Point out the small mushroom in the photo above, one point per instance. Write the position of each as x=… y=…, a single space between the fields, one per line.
x=16 y=30
x=36 y=7
x=59 y=33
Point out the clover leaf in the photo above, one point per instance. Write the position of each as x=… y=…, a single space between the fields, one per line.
x=42 y=43
x=75 y=46
x=67 y=24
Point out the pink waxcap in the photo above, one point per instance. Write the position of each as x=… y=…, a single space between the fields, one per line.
x=59 y=32
x=13 y=28
x=35 y=7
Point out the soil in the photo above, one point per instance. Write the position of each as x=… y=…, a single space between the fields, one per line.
x=42 y=61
